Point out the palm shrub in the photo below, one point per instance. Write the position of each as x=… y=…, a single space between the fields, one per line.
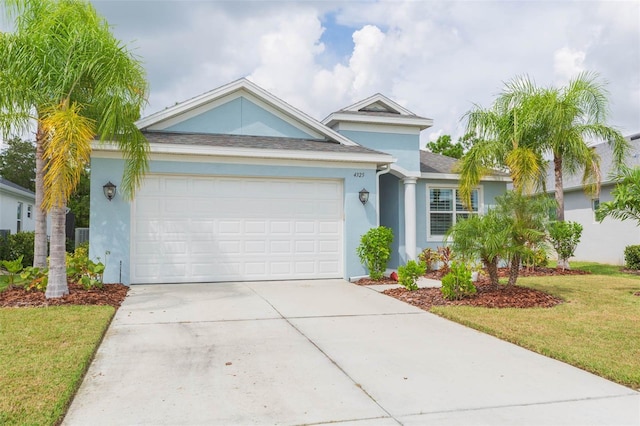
x=525 y=218
x=409 y=274
x=374 y=250
x=565 y=237
x=481 y=237
x=457 y=283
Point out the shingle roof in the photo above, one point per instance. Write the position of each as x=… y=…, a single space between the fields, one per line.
x=606 y=164
x=254 y=142
x=10 y=184
x=436 y=163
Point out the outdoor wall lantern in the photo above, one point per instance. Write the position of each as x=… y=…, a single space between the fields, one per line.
x=109 y=190
x=364 y=196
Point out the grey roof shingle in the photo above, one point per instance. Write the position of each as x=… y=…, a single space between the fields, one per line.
x=15 y=185
x=254 y=142
x=436 y=163
x=606 y=164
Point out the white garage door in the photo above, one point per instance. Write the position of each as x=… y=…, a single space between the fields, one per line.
x=208 y=229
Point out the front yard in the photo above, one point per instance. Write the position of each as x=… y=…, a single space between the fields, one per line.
x=596 y=329
x=44 y=353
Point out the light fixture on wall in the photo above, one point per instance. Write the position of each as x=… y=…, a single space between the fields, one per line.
x=109 y=190
x=363 y=195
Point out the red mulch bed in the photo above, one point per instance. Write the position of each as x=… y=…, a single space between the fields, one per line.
x=109 y=294
x=503 y=297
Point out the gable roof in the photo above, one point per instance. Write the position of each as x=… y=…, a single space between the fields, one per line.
x=605 y=152
x=437 y=166
x=15 y=188
x=378 y=109
x=246 y=86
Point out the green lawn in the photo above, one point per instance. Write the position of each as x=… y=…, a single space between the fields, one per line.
x=597 y=328
x=44 y=353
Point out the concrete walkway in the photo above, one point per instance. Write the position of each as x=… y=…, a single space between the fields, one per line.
x=316 y=352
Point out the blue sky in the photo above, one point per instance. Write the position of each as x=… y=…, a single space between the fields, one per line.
x=437 y=58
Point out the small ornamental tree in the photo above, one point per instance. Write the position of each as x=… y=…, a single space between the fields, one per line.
x=375 y=251
x=565 y=237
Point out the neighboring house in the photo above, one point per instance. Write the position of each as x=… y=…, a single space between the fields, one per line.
x=600 y=242
x=242 y=186
x=16 y=207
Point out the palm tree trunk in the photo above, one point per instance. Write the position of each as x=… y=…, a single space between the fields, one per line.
x=557 y=170
x=492 y=269
x=40 y=214
x=514 y=269
x=57 y=286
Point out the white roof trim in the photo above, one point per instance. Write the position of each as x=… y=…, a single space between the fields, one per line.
x=454 y=176
x=218 y=151
x=378 y=97
x=23 y=193
x=400 y=120
x=252 y=88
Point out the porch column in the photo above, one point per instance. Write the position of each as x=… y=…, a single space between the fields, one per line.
x=410 y=217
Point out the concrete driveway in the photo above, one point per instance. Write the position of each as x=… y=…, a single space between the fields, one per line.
x=317 y=352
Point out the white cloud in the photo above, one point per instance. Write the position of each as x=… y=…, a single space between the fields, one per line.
x=567 y=63
x=437 y=58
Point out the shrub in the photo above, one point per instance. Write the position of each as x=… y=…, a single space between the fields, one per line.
x=21 y=244
x=375 y=250
x=34 y=278
x=632 y=257
x=565 y=236
x=429 y=257
x=84 y=271
x=457 y=283
x=408 y=274
x=445 y=254
x=537 y=258
x=5 y=250
x=13 y=268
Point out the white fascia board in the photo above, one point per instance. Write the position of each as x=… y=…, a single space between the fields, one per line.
x=16 y=191
x=402 y=172
x=377 y=128
x=252 y=88
x=378 y=97
x=175 y=149
x=401 y=120
x=454 y=176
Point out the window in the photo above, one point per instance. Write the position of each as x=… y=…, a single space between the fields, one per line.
x=445 y=208
x=19 y=221
x=595 y=203
x=29 y=210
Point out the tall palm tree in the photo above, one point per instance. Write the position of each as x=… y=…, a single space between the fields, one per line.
x=527 y=124
x=63 y=69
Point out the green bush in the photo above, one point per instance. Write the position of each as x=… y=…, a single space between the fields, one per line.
x=375 y=250
x=13 y=268
x=409 y=274
x=565 y=236
x=34 y=279
x=84 y=271
x=457 y=284
x=20 y=244
x=5 y=249
x=632 y=257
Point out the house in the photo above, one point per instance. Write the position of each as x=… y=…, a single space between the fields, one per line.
x=244 y=187
x=16 y=208
x=600 y=242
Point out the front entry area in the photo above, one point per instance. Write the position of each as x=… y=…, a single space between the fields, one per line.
x=214 y=228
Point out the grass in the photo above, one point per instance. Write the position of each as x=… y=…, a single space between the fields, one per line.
x=596 y=329
x=44 y=353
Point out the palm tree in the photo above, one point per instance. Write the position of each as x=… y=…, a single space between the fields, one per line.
x=527 y=123
x=63 y=68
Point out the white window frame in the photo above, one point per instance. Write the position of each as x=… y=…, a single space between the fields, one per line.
x=29 y=211
x=19 y=216
x=439 y=238
x=594 y=208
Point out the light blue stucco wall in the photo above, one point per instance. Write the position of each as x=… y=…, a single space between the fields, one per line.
x=405 y=148
x=392 y=211
x=110 y=221
x=239 y=117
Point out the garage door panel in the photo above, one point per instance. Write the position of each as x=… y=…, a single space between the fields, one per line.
x=204 y=229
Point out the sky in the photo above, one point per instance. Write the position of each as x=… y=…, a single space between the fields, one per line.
x=436 y=58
